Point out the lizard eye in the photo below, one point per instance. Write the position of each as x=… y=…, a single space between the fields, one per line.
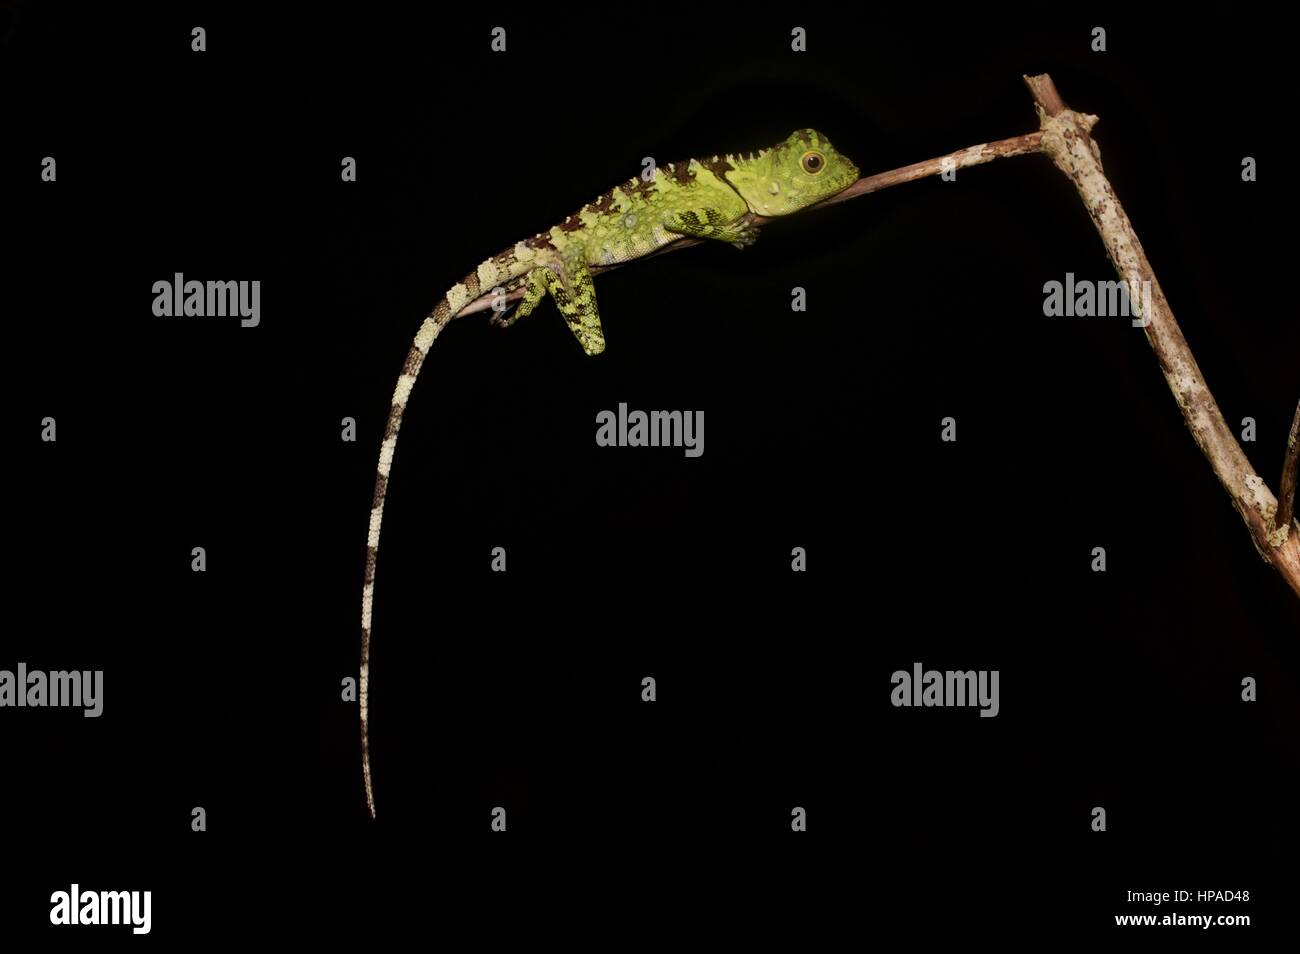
x=813 y=163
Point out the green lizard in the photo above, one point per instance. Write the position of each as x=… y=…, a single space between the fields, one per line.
x=716 y=198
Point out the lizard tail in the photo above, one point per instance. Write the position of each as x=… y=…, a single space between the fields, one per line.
x=501 y=268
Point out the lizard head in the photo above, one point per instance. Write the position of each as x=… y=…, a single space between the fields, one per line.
x=791 y=175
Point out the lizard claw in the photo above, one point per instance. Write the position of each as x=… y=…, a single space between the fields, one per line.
x=504 y=319
x=746 y=235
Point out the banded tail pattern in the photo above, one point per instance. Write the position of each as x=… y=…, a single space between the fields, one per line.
x=497 y=270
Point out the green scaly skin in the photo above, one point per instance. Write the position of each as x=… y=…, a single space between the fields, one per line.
x=715 y=198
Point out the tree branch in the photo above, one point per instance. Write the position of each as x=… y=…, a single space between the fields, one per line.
x=1064 y=136
x=1286 y=489
x=1067 y=143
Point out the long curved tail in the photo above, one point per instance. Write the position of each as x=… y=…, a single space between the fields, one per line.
x=508 y=265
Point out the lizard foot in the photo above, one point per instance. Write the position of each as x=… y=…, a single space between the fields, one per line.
x=504 y=319
x=745 y=235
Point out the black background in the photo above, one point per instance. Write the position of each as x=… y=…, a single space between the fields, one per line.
x=522 y=689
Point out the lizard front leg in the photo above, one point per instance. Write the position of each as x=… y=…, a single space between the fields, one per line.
x=710 y=223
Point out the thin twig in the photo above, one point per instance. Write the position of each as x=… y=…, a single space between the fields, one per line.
x=974 y=156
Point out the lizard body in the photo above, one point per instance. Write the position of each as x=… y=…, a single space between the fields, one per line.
x=715 y=198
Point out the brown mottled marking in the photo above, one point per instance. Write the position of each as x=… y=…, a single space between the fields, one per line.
x=572 y=224
x=602 y=205
x=637 y=187
x=412 y=363
x=540 y=241
x=680 y=172
x=717 y=165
